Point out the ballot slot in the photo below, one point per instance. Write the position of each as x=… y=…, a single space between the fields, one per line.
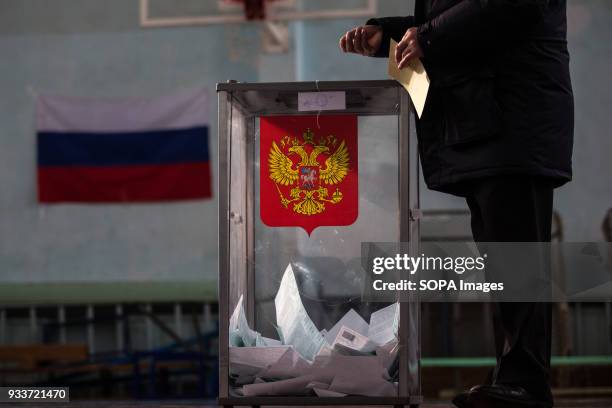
x=294 y=320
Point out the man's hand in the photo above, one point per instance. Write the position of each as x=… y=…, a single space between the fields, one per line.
x=408 y=48
x=364 y=40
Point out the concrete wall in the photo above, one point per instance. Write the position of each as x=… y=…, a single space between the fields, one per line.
x=96 y=49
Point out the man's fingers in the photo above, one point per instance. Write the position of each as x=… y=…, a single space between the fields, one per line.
x=399 y=51
x=406 y=59
x=401 y=48
x=407 y=47
x=411 y=46
x=405 y=43
x=364 y=42
x=349 y=41
x=357 y=41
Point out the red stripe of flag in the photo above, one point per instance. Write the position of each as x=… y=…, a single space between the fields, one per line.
x=138 y=183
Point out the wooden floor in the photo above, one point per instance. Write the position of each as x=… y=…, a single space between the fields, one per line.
x=565 y=403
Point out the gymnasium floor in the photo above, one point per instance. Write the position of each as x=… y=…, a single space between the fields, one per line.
x=573 y=403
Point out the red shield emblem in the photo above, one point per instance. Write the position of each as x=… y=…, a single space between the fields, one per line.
x=308 y=171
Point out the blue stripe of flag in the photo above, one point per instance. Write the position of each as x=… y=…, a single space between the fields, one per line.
x=105 y=149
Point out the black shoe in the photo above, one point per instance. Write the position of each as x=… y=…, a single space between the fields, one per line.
x=462 y=400
x=503 y=396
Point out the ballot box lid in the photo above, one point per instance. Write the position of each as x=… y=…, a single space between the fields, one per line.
x=376 y=97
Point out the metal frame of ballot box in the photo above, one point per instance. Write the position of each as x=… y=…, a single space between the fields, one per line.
x=239 y=104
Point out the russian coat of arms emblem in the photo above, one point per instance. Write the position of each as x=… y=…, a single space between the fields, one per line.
x=310 y=166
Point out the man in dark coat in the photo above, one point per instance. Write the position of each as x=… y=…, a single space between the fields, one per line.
x=497 y=129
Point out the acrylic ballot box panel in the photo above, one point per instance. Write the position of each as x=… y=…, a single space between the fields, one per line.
x=290 y=244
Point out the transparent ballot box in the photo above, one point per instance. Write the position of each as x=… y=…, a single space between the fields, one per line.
x=307 y=172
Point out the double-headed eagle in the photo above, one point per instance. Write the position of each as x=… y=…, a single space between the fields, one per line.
x=309 y=195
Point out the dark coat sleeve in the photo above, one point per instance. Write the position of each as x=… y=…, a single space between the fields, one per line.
x=393 y=27
x=473 y=25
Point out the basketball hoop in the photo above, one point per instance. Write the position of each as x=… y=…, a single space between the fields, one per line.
x=254 y=9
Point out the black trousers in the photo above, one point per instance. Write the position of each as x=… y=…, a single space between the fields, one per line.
x=516 y=209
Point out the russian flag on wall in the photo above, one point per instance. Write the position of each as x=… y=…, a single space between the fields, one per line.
x=137 y=150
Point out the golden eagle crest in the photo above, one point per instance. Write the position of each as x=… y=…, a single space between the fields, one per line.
x=317 y=164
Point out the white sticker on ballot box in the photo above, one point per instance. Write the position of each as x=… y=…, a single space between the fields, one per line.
x=320 y=101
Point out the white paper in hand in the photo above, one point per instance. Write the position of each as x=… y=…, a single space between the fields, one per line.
x=414 y=78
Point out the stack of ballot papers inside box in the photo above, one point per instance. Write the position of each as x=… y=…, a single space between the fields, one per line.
x=352 y=358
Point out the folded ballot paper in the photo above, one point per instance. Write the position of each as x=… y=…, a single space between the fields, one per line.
x=354 y=357
x=413 y=78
